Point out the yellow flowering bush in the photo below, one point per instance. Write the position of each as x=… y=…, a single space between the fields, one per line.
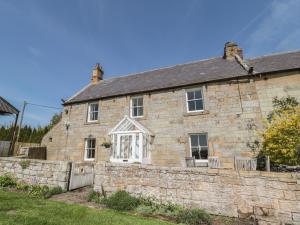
x=281 y=139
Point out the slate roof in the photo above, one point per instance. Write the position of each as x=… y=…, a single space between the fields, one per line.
x=186 y=74
x=6 y=107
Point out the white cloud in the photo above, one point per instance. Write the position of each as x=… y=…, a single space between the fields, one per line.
x=279 y=30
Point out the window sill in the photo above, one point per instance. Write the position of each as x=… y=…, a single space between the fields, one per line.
x=91 y=122
x=89 y=160
x=138 y=118
x=204 y=112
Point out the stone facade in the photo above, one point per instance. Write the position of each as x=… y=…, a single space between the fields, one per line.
x=50 y=173
x=234 y=112
x=272 y=198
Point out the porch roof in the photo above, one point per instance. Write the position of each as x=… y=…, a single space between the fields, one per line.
x=129 y=125
x=6 y=108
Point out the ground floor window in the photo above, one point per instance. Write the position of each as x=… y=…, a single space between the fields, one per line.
x=90 y=149
x=199 y=146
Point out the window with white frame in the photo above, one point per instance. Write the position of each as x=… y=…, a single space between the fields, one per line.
x=137 y=106
x=93 y=111
x=199 y=146
x=194 y=100
x=90 y=149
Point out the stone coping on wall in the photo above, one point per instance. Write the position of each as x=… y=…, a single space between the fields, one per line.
x=205 y=170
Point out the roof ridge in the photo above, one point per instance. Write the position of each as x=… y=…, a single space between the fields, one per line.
x=274 y=54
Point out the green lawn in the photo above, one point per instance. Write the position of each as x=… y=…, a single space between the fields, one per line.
x=18 y=208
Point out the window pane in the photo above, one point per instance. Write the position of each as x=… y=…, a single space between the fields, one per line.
x=93 y=153
x=194 y=140
x=96 y=115
x=134 y=102
x=199 y=105
x=191 y=105
x=134 y=113
x=204 y=153
x=140 y=111
x=190 y=95
x=140 y=101
x=203 y=140
x=198 y=94
x=195 y=153
x=93 y=143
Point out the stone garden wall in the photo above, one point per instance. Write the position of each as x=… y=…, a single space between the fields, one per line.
x=42 y=172
x=272 y=198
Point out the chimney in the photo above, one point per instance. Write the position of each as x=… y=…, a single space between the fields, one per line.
x=97 y=75
x=231 y=49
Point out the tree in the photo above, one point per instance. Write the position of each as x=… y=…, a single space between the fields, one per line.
x=281 y=139
x=54 y=120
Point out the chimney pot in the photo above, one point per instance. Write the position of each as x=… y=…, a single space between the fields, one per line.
x=231 y=49
x=97 y=74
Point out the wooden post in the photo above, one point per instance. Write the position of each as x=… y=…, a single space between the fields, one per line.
x=268 y=163
x=13 y=139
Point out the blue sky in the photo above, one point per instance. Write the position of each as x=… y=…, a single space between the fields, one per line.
x=48 y=48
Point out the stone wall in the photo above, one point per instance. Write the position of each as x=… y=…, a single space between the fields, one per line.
x=50 y=173
x=273 y=198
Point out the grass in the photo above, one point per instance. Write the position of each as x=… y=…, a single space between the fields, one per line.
x=19 y=208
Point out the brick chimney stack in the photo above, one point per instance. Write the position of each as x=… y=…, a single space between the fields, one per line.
x=231 y=49
x=97 y=75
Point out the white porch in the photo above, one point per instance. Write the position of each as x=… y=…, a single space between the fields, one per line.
x=130 y=142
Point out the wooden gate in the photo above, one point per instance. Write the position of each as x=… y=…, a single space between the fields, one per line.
x=82 y=174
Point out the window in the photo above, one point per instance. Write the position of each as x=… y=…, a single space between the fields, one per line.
x=137 y=108
x=93 y=111
x=199 y=146
x=194 y=99
x=90 y=148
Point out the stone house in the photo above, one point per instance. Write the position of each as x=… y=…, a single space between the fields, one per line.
x=212 y=107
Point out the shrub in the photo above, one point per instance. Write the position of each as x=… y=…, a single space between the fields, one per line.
x=52 y=191
x=194 y=217
x=7 y=181
x=94 y=196
x=23 y=186
x=282 y=136
x=121 y=201
x=38 y=191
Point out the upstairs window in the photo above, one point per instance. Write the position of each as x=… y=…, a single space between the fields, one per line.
x=194 y=100
x=93 y=111
x=137 y=106
x=90 y=149
x=199 y=146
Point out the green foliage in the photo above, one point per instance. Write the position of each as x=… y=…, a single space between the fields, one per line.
x=29 y=134
x=43 y=191
x=54 y=120
x=148 y=207
x=281 y=139
x=24 y=164
x=21 y=186
x=7 y=181
x=95 y=196
x=282 y=105
x=33 y=190
x=19 y=208
x=121 y=201
x=194 y=217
